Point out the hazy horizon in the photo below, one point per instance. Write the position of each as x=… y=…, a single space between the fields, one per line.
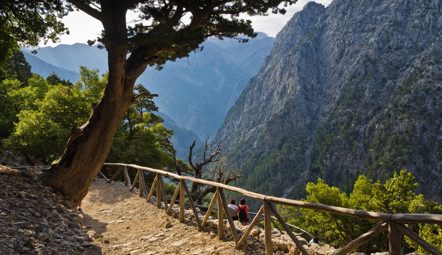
x=76 y=22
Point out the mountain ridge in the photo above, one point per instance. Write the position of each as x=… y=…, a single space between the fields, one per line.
x=196 y=91
x=316 y=107
x=44 y=69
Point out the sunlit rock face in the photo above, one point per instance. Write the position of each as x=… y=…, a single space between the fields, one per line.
x=354 y=88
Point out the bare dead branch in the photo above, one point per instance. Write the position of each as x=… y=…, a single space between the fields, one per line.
x=191 y=156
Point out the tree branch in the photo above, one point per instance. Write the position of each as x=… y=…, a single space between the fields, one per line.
x=145 y=95
x=191 y=156
x=215 y=155
x=82 y=5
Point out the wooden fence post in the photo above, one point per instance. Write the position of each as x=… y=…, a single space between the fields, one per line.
x=136 y=179
x=192 y=206
x=182 y=193
x=362 y=239
x=229 y=218
x=159 y=196
x=288 y=230
x=105 y=177
x=394 y=239
x=115 y=174
x=152 y=189
x=175 y=195
x=209 y=210
x=163 y=192
x=268 y=228
x=127 y=181
x=220 y=216
x=142 y=183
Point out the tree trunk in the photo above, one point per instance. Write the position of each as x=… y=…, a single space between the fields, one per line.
x=88 y=147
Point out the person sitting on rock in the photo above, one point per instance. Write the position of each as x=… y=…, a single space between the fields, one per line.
x=243 y=212
x=233 y=209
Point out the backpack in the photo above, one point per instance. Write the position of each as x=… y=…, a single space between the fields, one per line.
x=242 y=214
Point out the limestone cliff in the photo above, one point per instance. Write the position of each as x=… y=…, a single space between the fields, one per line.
x=354 y=88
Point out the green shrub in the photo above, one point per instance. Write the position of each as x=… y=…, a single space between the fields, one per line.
x=396 y=195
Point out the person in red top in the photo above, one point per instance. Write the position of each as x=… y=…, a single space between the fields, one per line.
x=243 y=212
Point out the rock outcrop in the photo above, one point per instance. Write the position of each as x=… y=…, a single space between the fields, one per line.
x=354 y=88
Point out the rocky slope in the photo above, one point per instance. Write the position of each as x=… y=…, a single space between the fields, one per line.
x=33 y=220
x=354 y=88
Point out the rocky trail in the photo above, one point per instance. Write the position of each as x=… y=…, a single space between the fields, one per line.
x=120 y=222
x=33 y=220
x=113 y=220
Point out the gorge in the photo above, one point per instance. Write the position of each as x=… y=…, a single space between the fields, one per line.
x=354 y=88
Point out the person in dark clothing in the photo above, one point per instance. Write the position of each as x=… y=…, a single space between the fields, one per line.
x=243 y=212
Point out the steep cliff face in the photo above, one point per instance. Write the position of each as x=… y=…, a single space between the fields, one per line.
x=354 y=88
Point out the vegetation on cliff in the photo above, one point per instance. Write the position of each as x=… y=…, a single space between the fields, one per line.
x=348 y=89
x=396 y=195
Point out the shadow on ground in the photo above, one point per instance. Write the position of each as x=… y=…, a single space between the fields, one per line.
x=96 y=226
x=109 y=194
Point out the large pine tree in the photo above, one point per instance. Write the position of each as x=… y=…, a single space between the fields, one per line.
x=168 y=29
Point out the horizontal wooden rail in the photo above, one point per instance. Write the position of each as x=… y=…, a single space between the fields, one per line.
x=398 y=217
x=393 y=223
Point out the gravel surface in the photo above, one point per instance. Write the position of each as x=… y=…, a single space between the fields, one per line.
x=120 y=222
x=33 y=220
x=113 y=220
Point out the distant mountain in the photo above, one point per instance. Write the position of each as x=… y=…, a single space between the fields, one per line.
x=197 y=91
x=182 y=138
x=71 y=57
x=44 y=69
x=354 y=88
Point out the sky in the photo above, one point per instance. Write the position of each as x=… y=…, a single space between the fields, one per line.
x=82 y=27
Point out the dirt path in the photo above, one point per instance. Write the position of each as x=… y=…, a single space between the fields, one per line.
x=120 y=222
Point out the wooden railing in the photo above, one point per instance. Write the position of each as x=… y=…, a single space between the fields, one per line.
x=395 y=224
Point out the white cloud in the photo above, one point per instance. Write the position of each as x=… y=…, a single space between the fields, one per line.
x=82 y=27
